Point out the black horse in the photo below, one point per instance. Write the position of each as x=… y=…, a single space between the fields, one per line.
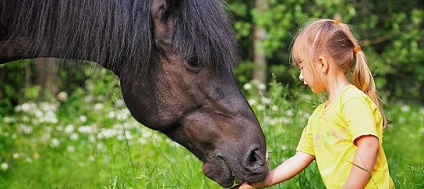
x=174 y=59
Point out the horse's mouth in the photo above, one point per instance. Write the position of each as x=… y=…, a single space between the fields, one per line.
x=220 y=172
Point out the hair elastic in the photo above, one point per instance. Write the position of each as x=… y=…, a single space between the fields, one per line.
x=336 y=22
x=357 y=49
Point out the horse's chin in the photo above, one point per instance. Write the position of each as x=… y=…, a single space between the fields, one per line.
x=219 y=172
x=222 y=173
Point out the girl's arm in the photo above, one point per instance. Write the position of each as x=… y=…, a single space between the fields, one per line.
x=283 y=172
x=363 y=163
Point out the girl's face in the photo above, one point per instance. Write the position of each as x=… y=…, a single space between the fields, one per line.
x=307 y=75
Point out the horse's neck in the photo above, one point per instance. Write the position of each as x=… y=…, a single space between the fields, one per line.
x=15 y=49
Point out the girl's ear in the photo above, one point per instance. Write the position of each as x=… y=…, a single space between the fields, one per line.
x=323 y=64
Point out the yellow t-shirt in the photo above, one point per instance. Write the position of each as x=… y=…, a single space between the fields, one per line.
x=330 y=136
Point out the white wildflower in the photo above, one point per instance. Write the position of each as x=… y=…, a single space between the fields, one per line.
x=266 y=100
x=100 y=97
x=261 y=86
x=128 y=135
x=48 y=129
x=405 y=108
x=252 y=102
x=55 y=142
x=261 y=107
x=8 y=120
x=74 y=136
x=98 y=107
x=38 y=113
x=50 y=117
x=289 y=112
x=142 y=141
x=25 y=129
x=273 y=122
x=46 y=106
x=123 y=114
x=91 y=158
x=18 y=108
x=402 y=120
x=146 y=134
x=89 y=98
x=101 y=147
x=46 y=136
x=4 y=166
x=71 y=148
x=421 y=130
x=111 y=115
x=62 y=96
x=86 y=129
x=26 y=107
x=106 y=133
x=247 y=86
x=15 y=155
x=120 y=103
x=83 y=118
x=28 y=159
x=69 y=128
x=25 y=118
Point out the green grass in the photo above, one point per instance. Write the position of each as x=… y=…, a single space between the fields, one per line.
x=91 y=141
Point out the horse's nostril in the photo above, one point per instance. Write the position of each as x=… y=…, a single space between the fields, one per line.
x=255 y=159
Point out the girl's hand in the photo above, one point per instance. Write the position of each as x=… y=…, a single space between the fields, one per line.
x=243 y=185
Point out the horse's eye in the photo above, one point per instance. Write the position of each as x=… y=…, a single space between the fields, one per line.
x=194 y=64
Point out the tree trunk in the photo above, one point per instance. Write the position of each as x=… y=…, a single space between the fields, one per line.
x=259 y=57
x=46 y=75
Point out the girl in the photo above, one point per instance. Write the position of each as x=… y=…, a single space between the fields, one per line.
x=344 y=134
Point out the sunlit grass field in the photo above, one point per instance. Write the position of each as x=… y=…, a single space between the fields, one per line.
x=88 y=139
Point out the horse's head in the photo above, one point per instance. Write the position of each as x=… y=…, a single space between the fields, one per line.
x=174 y=59
x=190 y=94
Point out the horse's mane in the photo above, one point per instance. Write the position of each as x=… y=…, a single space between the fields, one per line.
x=108 y=32
x=202 y=28
x=114 y=33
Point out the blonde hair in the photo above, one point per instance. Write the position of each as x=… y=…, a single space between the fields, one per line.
x=335 y=39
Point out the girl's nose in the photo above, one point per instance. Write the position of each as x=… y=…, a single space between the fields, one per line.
x=301 y=77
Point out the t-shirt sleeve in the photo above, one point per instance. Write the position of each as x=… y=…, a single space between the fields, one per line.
x=306 y=142
x=361 y=116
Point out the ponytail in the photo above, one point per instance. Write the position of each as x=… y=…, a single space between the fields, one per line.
x=364 y=80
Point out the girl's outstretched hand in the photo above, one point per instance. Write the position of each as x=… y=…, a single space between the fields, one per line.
x=243 y=185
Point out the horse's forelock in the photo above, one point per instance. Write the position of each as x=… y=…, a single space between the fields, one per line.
x=202 y=29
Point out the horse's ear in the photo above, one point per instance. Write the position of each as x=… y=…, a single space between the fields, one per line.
x=161 y=14
x=162 y=9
